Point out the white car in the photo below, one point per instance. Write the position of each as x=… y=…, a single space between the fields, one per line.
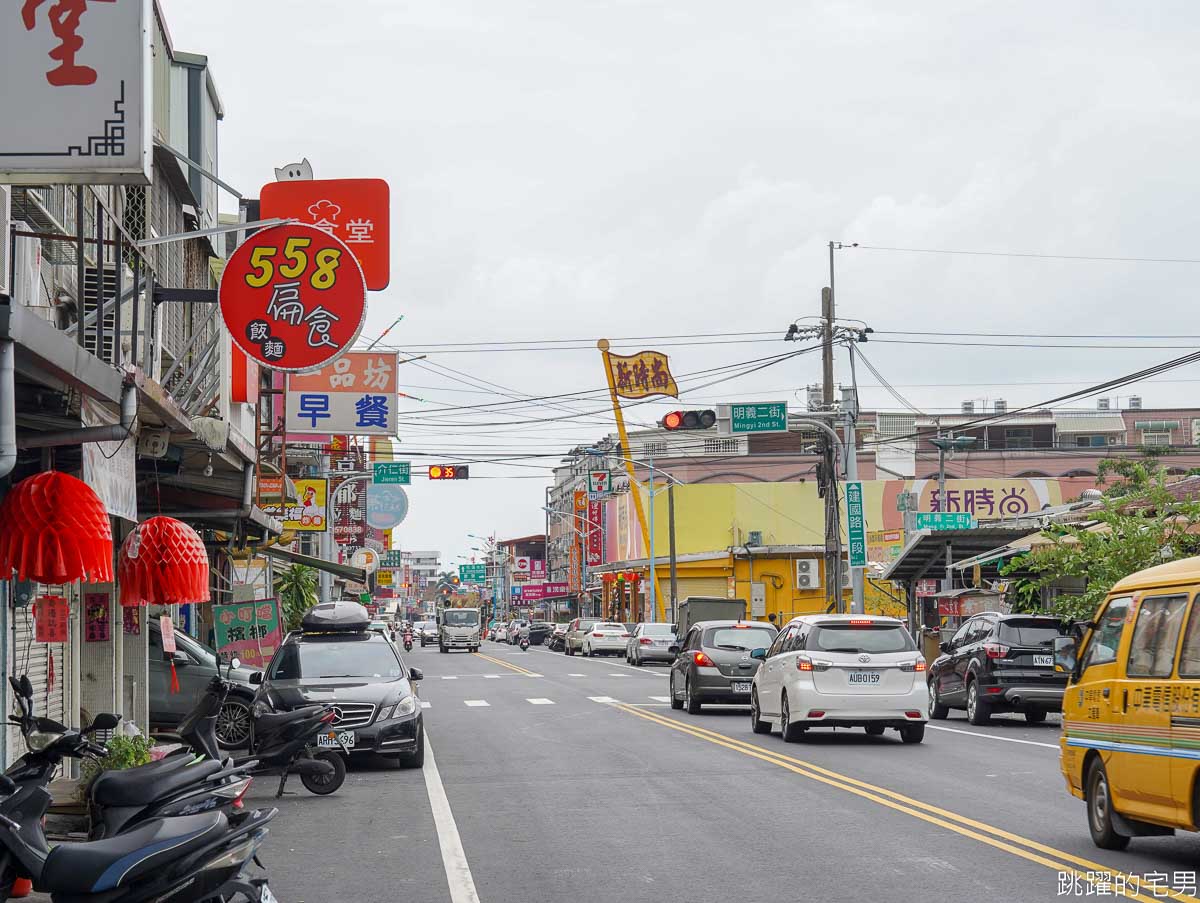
x=840 y=671
x=605 y=637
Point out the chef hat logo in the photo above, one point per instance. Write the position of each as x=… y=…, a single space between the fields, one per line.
x=324 y=211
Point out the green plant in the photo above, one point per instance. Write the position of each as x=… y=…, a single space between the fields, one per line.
x=296 y=587
x=123 y=752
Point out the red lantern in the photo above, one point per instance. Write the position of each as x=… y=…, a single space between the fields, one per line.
x=55 y=529
x=163 y=561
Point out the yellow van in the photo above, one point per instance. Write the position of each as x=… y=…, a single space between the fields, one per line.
x=1130 y=745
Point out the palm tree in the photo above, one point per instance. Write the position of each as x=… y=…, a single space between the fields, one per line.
x=296 y=587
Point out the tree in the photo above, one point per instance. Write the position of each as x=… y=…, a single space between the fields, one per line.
x=296 y=587
x=1141 y=524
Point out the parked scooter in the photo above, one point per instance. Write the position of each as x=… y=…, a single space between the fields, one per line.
x=187 y=858
x=281 y=743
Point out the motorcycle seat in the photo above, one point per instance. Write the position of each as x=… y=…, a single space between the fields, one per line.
x=273 y=721
x=142 y=786
x=101 y=865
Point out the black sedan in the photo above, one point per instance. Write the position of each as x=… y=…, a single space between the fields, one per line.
x=713 y=663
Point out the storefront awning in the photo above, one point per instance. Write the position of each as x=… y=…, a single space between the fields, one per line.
x=346 y=571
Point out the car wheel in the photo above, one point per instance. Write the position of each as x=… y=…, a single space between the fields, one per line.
x=977 y=712
x=911 y=733
x=567 y=648
x=690 y=702
x=233 y=723
x=416 y=758
x=676 y=703
x=756 y=723
x=441 y=648
x=790 y=732
x=874 y=730
x=1100 y=810
x=1035 y=716
x=937 y=711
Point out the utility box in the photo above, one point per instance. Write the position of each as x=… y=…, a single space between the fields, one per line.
x=694 y=609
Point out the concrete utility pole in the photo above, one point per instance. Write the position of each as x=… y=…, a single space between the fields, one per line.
x=827 y=340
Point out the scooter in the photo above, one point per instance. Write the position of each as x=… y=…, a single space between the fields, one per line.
x=280 y=742
x=524 y=642
x=408 y=641
x=187 y=858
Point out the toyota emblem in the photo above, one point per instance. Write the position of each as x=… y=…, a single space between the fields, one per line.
x=864 y=658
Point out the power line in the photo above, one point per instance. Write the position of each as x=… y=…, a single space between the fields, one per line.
x=1026 y=254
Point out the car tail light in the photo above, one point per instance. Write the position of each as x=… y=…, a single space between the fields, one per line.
x=816 y=713
x=995 y=650
x=645 y=641
x=861 y=622
x=803 y=663
x=912 y=714
x=626 y=635
x=918 y=665
x=702 y=661
x=992 y=690
x=600 y=635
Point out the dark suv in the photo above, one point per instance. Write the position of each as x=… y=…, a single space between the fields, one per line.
x=999 y=663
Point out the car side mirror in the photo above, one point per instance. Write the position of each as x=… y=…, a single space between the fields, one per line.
x=759 y=653
x=946 y=646
x=1064 y=654
x=416 y=674
x=181 y=658
x=674 y=650
x=256 y=677
x=25 y=686
x=674 y=628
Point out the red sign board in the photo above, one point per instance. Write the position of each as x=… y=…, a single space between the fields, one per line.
x=353 y=210
x=595 y=534
x=293 y=297
x=50 y=619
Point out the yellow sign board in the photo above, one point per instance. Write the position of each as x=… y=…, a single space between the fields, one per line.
x=642 y=374
x=383 y=578
x=309 y=514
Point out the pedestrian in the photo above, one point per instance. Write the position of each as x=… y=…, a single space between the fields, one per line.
x=772 y=617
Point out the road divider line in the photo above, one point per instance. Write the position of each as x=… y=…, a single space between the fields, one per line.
x=538 y=700
x=476 y=703
x=603 y=699
x=611 y=664
x=990 y=835
x=508 y=665
x=955 y=730
x=454 y=857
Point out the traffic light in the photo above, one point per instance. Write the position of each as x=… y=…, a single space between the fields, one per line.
x=449 y=471
x=689 y=420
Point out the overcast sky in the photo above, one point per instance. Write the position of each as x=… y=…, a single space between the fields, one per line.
x=563 y=169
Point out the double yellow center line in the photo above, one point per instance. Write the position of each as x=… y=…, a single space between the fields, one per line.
x=1084 y=870
x=510 y=667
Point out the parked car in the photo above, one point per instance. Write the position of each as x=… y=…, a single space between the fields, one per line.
x=500 y=635
x=999 y=663
x=650 y=643
x=195 y=666
x=576 y=631
x=840 y=671
x=713 y=662
x=493 y=626
x=539 y=632
x=558 y=637
x=605 y=637
x=426 y=632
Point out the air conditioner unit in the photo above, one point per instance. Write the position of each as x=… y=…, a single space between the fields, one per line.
x=27 y=269
x=808 y=573
x=1103 y=404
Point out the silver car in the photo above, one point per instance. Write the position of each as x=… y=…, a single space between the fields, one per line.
x=577 y=632
x=650 y=643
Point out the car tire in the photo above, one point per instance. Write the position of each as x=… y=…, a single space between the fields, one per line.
x=416 y=758
x=690 y=702
x=790 y=732
x=977 y=711
x=756 y=723
x=875 y=730
x=1100 y=809
x=567 y=649
x=1035 y=716
x=912 y=733
x=937 y=710
x=637 y=659
x=233 y=723
x=441 y=648
x=676 y=702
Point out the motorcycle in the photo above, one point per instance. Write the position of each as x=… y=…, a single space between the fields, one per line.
x=524 y=642
x=280 y=742
x=408 y=641
x=186 y=858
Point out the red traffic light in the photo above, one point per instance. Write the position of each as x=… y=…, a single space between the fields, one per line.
x=449 y=472
x=689 y=420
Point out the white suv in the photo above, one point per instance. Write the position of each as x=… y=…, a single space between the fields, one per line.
x=840 y=671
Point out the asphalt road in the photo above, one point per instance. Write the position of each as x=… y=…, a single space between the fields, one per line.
x=556 y=778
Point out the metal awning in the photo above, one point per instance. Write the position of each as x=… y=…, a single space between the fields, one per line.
x=346 y=571
x=926 y=552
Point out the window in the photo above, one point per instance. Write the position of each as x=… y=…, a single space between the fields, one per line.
x=722 y=446
x=1106 y=637
x=960 y=639
x=854 y=638
x=325 y=658
x=1152 y=649
x=1018 y=438
x=1156 y=440
x=781 y=641
x=1029 y=632
x=1189 y=656
x=739 y=638
x=650 y=449
x=1092 y=441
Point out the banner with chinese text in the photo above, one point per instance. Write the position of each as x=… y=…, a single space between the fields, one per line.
x=356 y=395
x=642 y=374
x=249 y=630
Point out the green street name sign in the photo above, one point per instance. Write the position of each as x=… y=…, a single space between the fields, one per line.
x=472 y=573
x=758 y=417
x=395 y=472
x=856 y=525
x=945 y=520
x=392 y=558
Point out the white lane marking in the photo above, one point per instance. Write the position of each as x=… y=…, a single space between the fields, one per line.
x=660 y=698
x=954 y=730
x=531 y=674
x=613 y=674
x=424 y=704
x=540 y=701
x=449 y=677
x=576 y=675
x=475 y=703
x=454 y=858
x=491 y=677
x=649 y=705
x=601 y=699
x=657 y=673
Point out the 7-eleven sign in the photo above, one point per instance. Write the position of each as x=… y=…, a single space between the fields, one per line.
x=599 y=481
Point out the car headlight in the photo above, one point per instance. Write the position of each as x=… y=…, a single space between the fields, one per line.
x=405 y=706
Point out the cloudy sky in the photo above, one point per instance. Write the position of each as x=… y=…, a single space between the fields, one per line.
x=568 y=169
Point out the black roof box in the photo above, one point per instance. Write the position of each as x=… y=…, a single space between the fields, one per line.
x=342 y=615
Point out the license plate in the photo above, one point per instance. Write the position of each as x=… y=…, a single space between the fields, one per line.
x=336 y=740
x=1044 y=660
x=863 y=677
x=741 y=686
x=265 y=895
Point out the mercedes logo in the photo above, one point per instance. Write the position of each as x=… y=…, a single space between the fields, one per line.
x=337 y=715
x=864 y=658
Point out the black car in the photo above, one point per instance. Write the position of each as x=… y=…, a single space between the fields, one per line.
x=539 y=632
x=336 y=658
x=999 y=663
x=713 y=664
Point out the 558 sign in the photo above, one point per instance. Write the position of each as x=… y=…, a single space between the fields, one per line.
x=293 y=297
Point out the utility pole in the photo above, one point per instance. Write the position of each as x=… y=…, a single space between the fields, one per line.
x=671 y=530
x=827 y=341
x=850 y=411
x=653 y=560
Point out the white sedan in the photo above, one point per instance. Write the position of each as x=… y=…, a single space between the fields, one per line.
x=604 y=638
x=840 y=671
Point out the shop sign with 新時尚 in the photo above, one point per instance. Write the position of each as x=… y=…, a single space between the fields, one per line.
x=82 y=112
x=293 y=298
x=356 y=394
x=354 y=210
x=641 y=375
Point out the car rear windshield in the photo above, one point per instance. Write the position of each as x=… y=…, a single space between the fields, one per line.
x=739 y=638
x=1030 y=632
x=325 y=659
x=454 y=618
x=657 y=630
x=586 y=625
x=620 y=627
x=877 y=638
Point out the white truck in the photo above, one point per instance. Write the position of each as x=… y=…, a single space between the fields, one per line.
x=458 y=628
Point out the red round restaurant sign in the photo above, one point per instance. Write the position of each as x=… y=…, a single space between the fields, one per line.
x=293 y=297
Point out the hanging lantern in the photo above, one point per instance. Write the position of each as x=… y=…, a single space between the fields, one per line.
x=55 y=529
x=163 y=561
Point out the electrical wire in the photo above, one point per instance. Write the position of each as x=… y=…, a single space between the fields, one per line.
x=1029 y=254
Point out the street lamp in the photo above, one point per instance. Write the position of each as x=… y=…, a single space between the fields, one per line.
x=944 y=444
